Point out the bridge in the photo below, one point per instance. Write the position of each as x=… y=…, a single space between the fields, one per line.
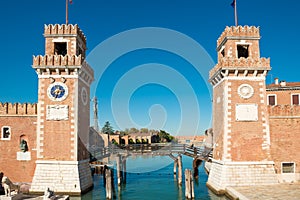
x=155 y=149
x=198 y=153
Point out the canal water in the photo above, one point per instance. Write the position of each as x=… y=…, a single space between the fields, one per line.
x=151 y=178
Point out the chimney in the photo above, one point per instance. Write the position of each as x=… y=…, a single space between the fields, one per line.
x=282 y=83
x=276 y=81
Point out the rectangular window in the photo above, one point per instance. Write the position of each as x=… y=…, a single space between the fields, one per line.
x=243 y=51
x=60 y=48
x=295 y=99
x=271 y=100
x=288 y=167
x=5 y=133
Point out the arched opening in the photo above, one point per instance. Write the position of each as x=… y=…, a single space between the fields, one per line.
x=23 y=143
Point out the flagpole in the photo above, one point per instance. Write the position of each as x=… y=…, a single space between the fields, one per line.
x=235 y=14
x=67 y=12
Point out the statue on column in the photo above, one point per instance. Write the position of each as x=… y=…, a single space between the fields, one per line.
x=95 y=101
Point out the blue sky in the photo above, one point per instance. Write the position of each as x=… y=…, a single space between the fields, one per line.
x=160 y=53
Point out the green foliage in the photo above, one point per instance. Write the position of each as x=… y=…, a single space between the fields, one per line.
x=164 y=136
x=144 y=130
x=114 y=142
x=130 y=141
x=133 y=130
x=107 y=128
x=138 y=141
x=144 y=141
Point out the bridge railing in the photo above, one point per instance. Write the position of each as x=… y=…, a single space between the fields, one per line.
x=153 y=149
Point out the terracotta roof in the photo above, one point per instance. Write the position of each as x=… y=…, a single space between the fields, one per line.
x=287 y=86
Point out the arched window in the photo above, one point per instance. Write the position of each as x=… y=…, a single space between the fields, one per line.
x=5 y=133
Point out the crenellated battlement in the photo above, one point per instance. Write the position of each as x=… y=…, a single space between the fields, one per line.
x=18 y=109
x=241 y=63
x=57 y=60
x=239 y=31
x=63 y=29
x=287 y=111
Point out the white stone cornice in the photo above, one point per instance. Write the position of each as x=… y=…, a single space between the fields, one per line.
x=261 y=78
x=57 y=76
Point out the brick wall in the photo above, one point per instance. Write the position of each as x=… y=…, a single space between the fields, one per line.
x=22 y=127
x=285 y=135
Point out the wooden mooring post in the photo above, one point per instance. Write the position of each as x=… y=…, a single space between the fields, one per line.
x=189 y=184
x=175 y=166
x=179 y=160
x=119 y=171
x=109 y=183
x=124 y=169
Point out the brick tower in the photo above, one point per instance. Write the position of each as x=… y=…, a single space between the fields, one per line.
x=63 y=119
x=240 y=118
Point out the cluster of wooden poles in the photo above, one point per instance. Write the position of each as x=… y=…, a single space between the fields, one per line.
x=108 y=175
x=189 y=183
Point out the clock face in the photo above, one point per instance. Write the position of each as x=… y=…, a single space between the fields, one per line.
x=245 y=91
x=57 y=91
x=84 y=96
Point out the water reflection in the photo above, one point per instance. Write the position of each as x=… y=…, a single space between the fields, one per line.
x=149 y=185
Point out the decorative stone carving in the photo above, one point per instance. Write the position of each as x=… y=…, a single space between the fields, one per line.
x=245 y=91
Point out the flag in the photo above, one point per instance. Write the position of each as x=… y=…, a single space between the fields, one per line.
x=232 y=4
x=71 y=1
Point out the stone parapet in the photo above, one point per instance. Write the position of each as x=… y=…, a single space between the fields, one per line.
x=63 y=29
x=18 y=109
x=239 y=31
x=230 y=174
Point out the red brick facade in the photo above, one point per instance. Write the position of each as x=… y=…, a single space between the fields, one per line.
x=57 y=128
x=20 y=119
x=284 y=124
x=254 y=126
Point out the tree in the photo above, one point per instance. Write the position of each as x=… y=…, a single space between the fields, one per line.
x=134 y=130
x=107 y=128
x=144 y=130
x=164 y=136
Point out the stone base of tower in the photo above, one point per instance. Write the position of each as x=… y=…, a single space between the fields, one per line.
x=63 y=177
x=230 y=174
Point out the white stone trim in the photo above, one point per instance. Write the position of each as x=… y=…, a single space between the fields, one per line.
x=39 y=130
x=46 y=76
x=250 y=78
x=226 y=119
x=243 y=162
x=60 y=39
x=75 y=113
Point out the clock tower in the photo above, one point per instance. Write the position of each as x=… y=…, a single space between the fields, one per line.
x=241 y=134
x=63 y=121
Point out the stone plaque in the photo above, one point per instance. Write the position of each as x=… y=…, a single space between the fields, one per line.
x=246 y=112
x=57 y=112
x=23 y=156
